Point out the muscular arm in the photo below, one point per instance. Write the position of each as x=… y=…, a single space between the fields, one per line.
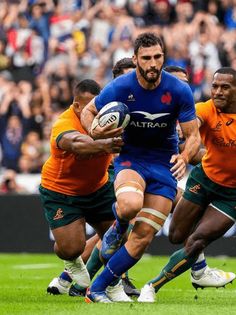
x=87 y=115
x=193 y=139
x=192 y=143
x=83 y=145
x=198 y=156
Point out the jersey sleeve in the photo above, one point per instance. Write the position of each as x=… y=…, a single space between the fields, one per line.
x=203 y=109
x=61 y=127
x=106 y=96
x=187 y=108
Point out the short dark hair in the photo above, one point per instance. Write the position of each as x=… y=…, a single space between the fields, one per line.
x=121 y=65
x=87 y=85
x=227 y=70
x=171 y=69
x=147 y=40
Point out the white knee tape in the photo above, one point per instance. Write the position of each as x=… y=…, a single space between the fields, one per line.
x=128 y=189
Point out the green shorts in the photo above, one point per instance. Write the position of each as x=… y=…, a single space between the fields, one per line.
x=62 y=209
x=203 y=191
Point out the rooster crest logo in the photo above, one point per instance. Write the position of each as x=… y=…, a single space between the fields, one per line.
x=166 y=98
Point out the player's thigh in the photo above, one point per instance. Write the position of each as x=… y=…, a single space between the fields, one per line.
x=158 y=203
x=72 y=235
x=184 y=218
x=190 y=207
x=66 y=219
x=220 y=215
x=127 y=175
x=179 y=194
x=212 y=225
x=98 y=211
x=61 y=210
x=101 y=227
x=151 y=217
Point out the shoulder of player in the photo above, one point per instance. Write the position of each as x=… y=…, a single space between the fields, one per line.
x=169 y=77
x=176 y=85
x=205 y=106
x=124 y=80
x=117 y=88
x=68 y=117
x=205 y=111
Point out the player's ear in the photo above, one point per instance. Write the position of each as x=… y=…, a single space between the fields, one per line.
x=76 y=105
x=134 y=59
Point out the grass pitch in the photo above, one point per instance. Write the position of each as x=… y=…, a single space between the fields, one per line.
x=24 y=279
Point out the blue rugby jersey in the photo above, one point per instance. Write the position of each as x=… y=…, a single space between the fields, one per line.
x=154 y=113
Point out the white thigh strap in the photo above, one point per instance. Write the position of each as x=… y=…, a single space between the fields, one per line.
x=155 y=225
x=154 y=212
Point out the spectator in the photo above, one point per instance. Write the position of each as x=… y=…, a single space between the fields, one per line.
x=39 y=20
x=25 y=48
x=51 y=44
x=4 y=59
x=9 y=183
x=162 y=12
x=25 y=165
x=12 y=135
x=32 y=148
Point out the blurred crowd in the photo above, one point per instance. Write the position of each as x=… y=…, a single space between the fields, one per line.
x=46 y=46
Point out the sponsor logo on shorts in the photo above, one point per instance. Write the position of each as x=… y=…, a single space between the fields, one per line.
x=195 y=188
x=59 y=214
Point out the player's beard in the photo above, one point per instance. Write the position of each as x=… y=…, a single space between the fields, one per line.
x=144 y=74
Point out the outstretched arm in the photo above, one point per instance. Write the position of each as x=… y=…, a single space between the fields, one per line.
x=84 y=146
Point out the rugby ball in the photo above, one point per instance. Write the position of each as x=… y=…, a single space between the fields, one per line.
x=115 y=113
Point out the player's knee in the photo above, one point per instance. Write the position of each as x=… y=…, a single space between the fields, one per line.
x=69 y=251
x=176 y=236
x=195 y=244
x=129 y=207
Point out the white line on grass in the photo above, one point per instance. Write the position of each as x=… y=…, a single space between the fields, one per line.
x=35 y=266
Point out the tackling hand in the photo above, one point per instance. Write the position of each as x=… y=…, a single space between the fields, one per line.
x=179 y=167
x=108 y=131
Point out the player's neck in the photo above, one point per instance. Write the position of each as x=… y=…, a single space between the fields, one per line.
x=229 y=109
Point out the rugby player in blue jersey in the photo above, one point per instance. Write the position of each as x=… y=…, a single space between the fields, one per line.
x=149 y=164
